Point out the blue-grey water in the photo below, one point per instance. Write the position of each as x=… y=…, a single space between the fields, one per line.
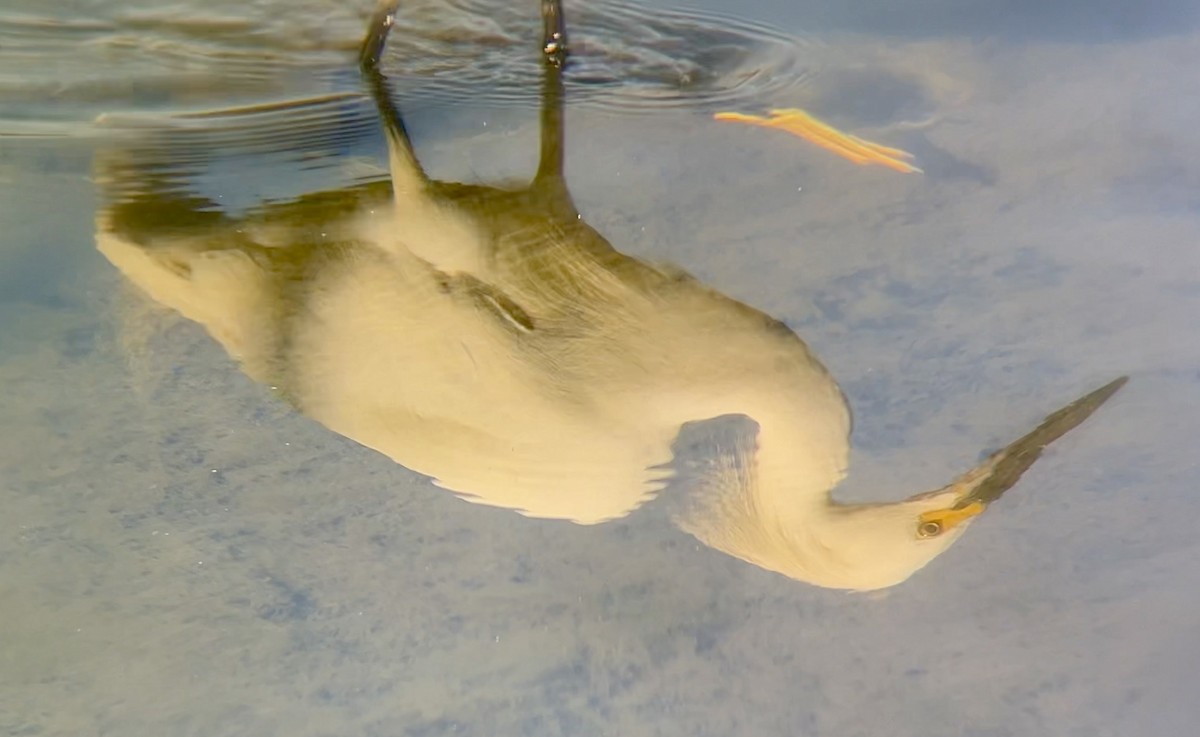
x=183 y=553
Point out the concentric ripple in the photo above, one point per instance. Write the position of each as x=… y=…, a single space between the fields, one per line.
x=622 y=56
x=137 y=56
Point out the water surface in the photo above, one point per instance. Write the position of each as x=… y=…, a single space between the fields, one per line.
x=187 y=554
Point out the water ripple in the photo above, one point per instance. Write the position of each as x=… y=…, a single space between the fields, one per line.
x=175 y=57
x=623 y=56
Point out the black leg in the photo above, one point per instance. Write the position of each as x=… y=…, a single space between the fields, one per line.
x=554 y=33
x=549 y=177
x=377 y=32
x=407 y=174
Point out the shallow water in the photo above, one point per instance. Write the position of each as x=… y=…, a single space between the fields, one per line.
x=185 y=553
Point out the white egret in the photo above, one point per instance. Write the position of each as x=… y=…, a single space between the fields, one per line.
x=492 y=340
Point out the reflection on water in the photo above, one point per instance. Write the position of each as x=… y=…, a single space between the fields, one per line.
x=183 y=553
x=492 y=340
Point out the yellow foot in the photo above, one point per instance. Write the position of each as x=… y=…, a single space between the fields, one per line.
x=800 y=123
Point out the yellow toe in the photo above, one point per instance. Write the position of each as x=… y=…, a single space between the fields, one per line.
x=848 y=146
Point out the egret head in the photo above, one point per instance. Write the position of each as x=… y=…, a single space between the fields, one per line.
x=858 y=547
x=797 y=529
x=873 y=546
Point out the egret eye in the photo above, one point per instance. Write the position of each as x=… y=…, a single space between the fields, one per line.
x=929 y=528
